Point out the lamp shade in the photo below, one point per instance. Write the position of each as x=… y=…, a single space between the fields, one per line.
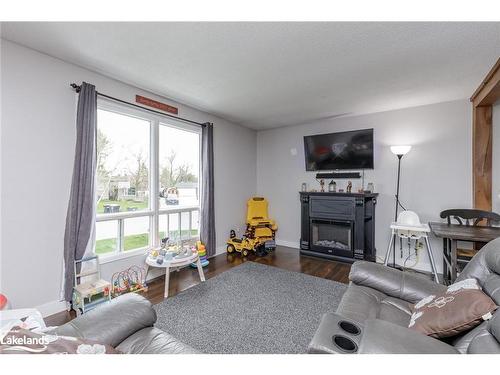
x=400 y=150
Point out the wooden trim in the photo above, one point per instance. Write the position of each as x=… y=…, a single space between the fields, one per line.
x=482 y=100
x=488 y=91
x=482 y=157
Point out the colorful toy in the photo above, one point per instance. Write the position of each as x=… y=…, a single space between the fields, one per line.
x=242 y=245
x=132 y=279
x=202 y=254
x=4 y=303
x=94 y=290
x=260 y=230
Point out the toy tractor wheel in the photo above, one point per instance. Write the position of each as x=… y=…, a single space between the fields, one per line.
x=244 y=252
x=261 y=250
x=230 y=249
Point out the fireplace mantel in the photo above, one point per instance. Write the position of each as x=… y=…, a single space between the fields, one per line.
x=338 y=226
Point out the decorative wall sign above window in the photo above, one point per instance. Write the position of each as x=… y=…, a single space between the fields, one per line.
x=155 y=104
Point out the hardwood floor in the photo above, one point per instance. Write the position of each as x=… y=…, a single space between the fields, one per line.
x=283 y=257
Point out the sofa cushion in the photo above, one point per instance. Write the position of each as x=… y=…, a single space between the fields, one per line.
x=485 y=268
x=112 y=322
x=382 y=337
x=408 y=286
x=484 y=343
x=361 y=303
x=153 y=341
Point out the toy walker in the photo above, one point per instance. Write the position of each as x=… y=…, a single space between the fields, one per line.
x=91 y=293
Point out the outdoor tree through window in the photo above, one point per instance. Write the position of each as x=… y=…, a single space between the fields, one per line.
x=179 y=169
x=128 y=218
x=122 y=182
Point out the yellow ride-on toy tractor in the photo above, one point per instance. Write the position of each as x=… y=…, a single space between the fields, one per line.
x=260 y=230
x=241 y=245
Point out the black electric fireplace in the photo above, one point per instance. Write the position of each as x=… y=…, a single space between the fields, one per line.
x=338 y=226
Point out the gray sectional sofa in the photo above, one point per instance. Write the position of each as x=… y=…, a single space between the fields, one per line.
x=125 y=323
x=375 y=311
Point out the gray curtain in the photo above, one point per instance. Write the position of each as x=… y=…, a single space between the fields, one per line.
x=207 y=222
x=80 y=216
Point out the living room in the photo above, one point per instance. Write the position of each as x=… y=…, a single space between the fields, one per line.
x=250 y=187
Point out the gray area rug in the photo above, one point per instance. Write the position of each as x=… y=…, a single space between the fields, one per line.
x=251 y=308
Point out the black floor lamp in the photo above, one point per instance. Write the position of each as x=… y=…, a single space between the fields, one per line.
x=399 y=151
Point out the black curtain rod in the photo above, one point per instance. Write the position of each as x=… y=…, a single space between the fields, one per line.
x=77 y=89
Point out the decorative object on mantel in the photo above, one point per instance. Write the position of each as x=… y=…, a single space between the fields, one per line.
x=304 y=187
x=332 y=187
x=322 y=184
x=349 y=186
x=399 y=151
x=370 y=188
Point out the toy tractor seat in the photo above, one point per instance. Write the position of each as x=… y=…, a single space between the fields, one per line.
x=259 y=225
x=257 y=214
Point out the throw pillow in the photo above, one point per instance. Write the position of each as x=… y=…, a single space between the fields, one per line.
x=462 y=307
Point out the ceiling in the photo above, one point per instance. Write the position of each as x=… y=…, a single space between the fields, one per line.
x=265 y=75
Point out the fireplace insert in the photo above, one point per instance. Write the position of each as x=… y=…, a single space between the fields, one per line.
x=332 y=236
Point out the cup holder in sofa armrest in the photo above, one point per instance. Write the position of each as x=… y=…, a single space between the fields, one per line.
x=349 y=327
x=345 y=344
x=336 y=334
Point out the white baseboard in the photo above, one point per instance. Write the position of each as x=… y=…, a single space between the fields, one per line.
x=220 y=250
x=294 y=245
x=51 y=308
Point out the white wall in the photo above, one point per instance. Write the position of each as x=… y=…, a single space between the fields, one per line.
x=37 y=151
x=436 y=174
x=495 y=188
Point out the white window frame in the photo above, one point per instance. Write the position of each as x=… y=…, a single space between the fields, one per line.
x=154 y=211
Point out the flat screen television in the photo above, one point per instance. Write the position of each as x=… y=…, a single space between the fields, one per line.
x=344 y=150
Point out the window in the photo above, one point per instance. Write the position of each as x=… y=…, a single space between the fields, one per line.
x=147 y=180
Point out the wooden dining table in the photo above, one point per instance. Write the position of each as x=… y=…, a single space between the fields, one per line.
x=451 y=234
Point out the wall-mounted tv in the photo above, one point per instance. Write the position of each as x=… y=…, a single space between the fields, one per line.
x=344 y=150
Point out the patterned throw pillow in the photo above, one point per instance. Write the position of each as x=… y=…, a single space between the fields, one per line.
x=462 y=307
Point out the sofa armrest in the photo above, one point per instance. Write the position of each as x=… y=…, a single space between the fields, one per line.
x=395 y=283
x=112 y=322
x=382 y=337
